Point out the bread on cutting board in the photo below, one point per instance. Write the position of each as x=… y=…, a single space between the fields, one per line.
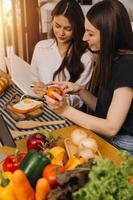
x=27 y=105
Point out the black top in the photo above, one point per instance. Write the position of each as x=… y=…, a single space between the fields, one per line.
x=121 y=76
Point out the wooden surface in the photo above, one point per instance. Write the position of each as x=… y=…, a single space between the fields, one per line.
x=106 y=149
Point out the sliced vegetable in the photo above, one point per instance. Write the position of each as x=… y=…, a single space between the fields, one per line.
x=12 y=162
x=33 y=165
x=22 y=187
x=42 y=189
x=6 y=186
x=50 y=172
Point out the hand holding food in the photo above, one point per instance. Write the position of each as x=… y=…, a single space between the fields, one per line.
x=69 y=87
x=39 y=88
x=57 y=102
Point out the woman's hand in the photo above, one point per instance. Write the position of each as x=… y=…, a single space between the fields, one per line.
x=69 y=87
x=59 y=106
x=39 y=88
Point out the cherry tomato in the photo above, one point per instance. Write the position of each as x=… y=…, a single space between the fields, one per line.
x=54 y=88
x=50 y=172
x=12 y=162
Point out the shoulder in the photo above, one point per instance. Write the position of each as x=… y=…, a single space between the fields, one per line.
x=45 y=44
x=124 y=62
x=123 y=71
x=87 y=56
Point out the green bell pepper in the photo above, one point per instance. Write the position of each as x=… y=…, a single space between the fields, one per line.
x=33 y=165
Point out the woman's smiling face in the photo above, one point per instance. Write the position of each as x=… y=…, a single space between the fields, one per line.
x=92 y=36
x=62 y=29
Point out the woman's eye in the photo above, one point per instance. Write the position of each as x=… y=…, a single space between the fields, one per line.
x=90 y=34
x=68 y=29
x=57 y=26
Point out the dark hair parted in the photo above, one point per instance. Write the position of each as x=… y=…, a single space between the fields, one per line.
x=73 y=12
x=111 y=18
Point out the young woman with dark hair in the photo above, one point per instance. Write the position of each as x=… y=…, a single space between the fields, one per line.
x=65 y=57
x=110 y=38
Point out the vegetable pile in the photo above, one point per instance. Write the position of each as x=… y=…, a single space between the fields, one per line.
x=44 y=173
x=108 y=182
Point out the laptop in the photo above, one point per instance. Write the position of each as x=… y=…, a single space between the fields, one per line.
x=5 y=135
x=21 y=74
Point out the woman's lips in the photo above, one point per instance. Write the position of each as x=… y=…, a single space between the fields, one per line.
x=61 y=38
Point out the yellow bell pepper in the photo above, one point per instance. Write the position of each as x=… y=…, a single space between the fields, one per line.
x=57 y=153
x=73 y=162
x=6 y=186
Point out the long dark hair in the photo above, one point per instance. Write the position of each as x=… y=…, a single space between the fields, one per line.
x=111 y=18
x=71 y=61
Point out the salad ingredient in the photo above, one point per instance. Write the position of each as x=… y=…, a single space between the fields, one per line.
x=12 y=162
x=73 y=162
x=47 y=134
x=77 y=135
x=69 y=181
x=36 y=141
x=33 y=165
x=42 y=189
x=6 y=186
x=57 y=153
x=107 y=181
x=89 y=143
x=50 y=172
x=22 y=187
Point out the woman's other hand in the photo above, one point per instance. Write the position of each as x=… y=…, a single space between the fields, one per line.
x=69 y=87
x=59 y=106
x=39 y=88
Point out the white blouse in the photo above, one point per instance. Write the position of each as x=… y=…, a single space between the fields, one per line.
x=47 y=59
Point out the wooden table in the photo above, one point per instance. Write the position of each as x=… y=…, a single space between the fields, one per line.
x=106 y=149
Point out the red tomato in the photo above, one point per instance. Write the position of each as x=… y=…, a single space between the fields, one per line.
x=50 y=172
x=12 y=162
x=54 y=88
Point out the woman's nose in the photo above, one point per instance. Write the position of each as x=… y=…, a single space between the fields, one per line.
x=85 y=37
x=62 y=31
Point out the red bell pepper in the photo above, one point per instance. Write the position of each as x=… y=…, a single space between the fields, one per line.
x=12 y=162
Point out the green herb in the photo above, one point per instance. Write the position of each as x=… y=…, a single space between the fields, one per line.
x=107 y=181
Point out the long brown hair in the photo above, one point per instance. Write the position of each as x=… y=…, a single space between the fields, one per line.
x=72 y=11
x=111 y=18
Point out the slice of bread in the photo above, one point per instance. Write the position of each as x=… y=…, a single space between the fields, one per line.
x=27 y=105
